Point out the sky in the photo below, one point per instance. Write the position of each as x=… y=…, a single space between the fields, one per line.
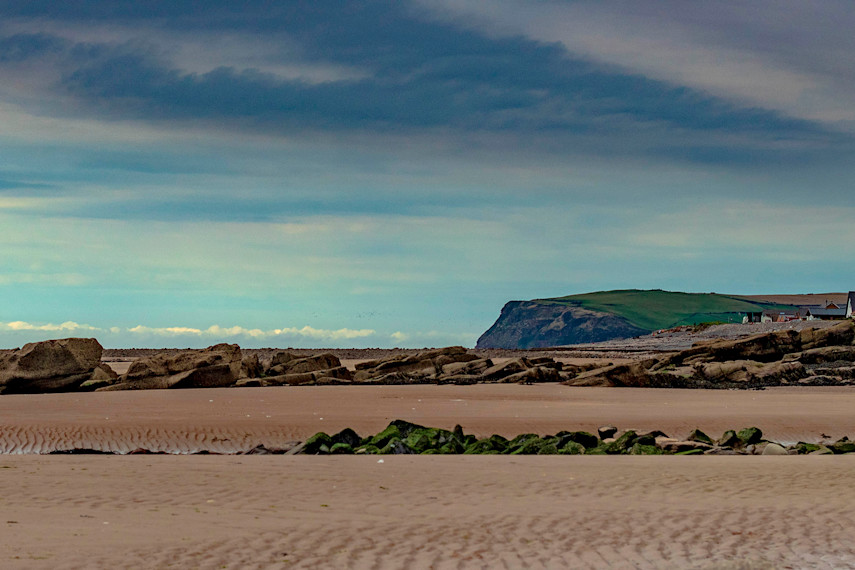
x=391 y=173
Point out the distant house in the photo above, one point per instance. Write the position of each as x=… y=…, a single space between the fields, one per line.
x=778 y=316
x=825 y=314
x=752 y=317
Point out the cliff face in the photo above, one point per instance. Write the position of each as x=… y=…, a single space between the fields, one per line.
x=527 y=324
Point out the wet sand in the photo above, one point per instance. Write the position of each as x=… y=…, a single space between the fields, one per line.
x=227 y=420
x=160 y=511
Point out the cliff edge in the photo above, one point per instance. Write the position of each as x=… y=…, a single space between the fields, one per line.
x=535 y=324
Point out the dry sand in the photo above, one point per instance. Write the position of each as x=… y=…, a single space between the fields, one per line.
x=160 y=511
x=426 y=512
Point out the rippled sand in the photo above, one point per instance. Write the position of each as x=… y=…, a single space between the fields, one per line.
x=236 y=419
x=160 y=511
x=426 y=512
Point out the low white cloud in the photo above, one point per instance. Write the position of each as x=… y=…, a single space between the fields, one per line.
x=339 y=334
x=165 y=331
x=217 y=331
x=67 y=326
x=399 y=336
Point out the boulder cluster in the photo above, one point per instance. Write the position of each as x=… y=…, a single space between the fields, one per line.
x=74 y=364
x=815 y=357
x=455 y=365
x=401 y=438
x=812 y=357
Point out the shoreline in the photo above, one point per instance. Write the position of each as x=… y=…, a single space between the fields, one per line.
x=230 y=420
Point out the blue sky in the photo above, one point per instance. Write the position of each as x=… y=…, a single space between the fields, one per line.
x=391 y=173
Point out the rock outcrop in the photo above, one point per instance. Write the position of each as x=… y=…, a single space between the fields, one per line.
x=404 y=438
x=215 y=366
x=538 y=324
x=808 y=357
x=286 y=369
x=52 y=366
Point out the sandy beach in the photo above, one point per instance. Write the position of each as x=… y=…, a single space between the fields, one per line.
x=426 y=512
x=236 y=419
x=228 y=511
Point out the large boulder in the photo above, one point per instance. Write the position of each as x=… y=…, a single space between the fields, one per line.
x=282 y=364
x=629 y=374
x=421 y=367
x=215 y=366
x=49 y=366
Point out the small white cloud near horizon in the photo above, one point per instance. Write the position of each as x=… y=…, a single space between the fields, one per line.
x=68 y=326
x=218 y=331
x=399 y=336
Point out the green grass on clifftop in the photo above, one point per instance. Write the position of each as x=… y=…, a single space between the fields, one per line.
x=657 y=309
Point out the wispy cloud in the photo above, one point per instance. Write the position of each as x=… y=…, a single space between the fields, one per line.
x=416 y=76
x=791 y=56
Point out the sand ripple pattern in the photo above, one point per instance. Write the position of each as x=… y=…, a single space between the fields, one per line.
x=427 y=512
x=40 y=439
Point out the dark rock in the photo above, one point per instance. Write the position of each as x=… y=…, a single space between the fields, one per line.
x=642 y=449
x=749 y=436
x=583 y=438
x=698 y=435
x=623 y=443
x=824 y=354
x=102 y=376
x=347 y=436
x=548 y=448
x=214 y=366
x=314 y=363
x=49 y=366
x=505 y=369
x=395 y=446
x=842 y=445
x=630 y=374
x=606 y=432
x=571 y=448
x=805 y=448
x=729 y=439
x=250 y=367
x=79 y=451
x=320 y=443
x=525 y=444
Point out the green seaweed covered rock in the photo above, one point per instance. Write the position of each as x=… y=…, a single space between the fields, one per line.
x=320 y=443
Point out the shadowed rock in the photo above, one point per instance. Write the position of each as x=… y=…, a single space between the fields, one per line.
x=771 y=359
x=211 y=367
x=50 y=366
